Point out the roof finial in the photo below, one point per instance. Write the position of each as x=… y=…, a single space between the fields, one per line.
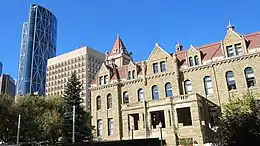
x=178 y=46
x=230 y=26
x=117 y=36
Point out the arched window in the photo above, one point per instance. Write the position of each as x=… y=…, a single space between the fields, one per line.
x=133 y=74
x=188 y=87
x=196 y=60
x=155 y=92
x=140 y=94
x=98 y=102
x=230 y=78
x=250 y=77
x=191 y=61
x=125 y=97
x=109 y=101
x=208 y=85
x=168 y=89
x=129 y=75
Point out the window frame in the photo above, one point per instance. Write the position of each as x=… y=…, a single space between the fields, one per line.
x=208 y=88
x=163 y=66
x=191 y=63
x=250 y=81
x=168 y=89
x=140 y=93
x=99 y=102
x=155 y=68
x=109 y=101
x=124 y=97
x=230 y=84
x=188 y=87
x=155 y=92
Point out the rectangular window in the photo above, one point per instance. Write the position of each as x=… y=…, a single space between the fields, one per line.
x=155 y=68
x=106 y=79
x=99 y=127
x=110 y=126
x=238 y=48
x=230 y=51
x=133 y=74
x=184 y=116
x=163 y=66
x=101 y=80
x=156 y=118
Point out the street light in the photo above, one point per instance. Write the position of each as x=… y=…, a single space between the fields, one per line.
x=160 y=126
x=132 y=130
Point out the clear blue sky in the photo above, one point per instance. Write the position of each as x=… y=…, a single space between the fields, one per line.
x=140 y=23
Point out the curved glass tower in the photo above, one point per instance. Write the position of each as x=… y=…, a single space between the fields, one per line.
x=38 y=44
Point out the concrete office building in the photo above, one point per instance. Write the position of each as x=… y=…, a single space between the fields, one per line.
x=7 y=85
x=84 y=61
x=183 y=90
x=38 y=44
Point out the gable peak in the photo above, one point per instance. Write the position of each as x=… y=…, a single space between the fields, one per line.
x=230 y=26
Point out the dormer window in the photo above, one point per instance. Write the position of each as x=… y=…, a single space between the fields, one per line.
x=106 y=79
x=129 y=75
x=133 y=74
x=191 y=61
x=196 y=60
x=234 y=50
x=238 y=48
x=163 y=66
x=155 y=68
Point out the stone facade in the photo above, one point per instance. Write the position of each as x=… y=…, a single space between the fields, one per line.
x=84 y=61
x=183 y=91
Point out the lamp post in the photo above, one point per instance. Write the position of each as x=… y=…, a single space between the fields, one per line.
x=160 y=126
x=18 y=129
x=73 y=126
x=132 y=130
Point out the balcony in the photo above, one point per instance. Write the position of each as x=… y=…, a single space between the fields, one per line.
x=163 y=101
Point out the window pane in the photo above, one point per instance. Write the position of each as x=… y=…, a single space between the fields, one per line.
x=110 y=127
x=250 y=77
x=191 y=61
x=141 y=94
x=163 y=66
x=129 y=75
x=155 y=68
x=109 y=101
x=188 y=86
x=196 y=58
x=230 y=80
x=99 y=127
x=155 y=93
x=230 y=51
x=125 y=97
x=238 y=48
x=168 y=89
x=133 y=74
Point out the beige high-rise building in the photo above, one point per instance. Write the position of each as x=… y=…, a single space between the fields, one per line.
x=84 y=61
x=181 y=92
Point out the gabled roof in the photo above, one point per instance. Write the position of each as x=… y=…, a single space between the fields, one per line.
x=157 y=46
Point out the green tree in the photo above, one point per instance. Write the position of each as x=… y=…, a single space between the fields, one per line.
x=50 y=121
x=83 y=127
x=8 y=119
x=240 y=122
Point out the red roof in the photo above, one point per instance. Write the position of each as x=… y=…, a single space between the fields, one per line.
x=207 y=52
x=118 y=47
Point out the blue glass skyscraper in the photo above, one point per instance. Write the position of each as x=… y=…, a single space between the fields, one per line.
x=38 y=44
x=1 y=68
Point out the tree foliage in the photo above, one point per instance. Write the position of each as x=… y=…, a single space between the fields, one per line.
x=83 y=128
x=40 y=118
x=240 y=122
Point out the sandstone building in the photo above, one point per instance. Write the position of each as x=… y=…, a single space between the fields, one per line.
x=183 y=90
x=84 y=61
